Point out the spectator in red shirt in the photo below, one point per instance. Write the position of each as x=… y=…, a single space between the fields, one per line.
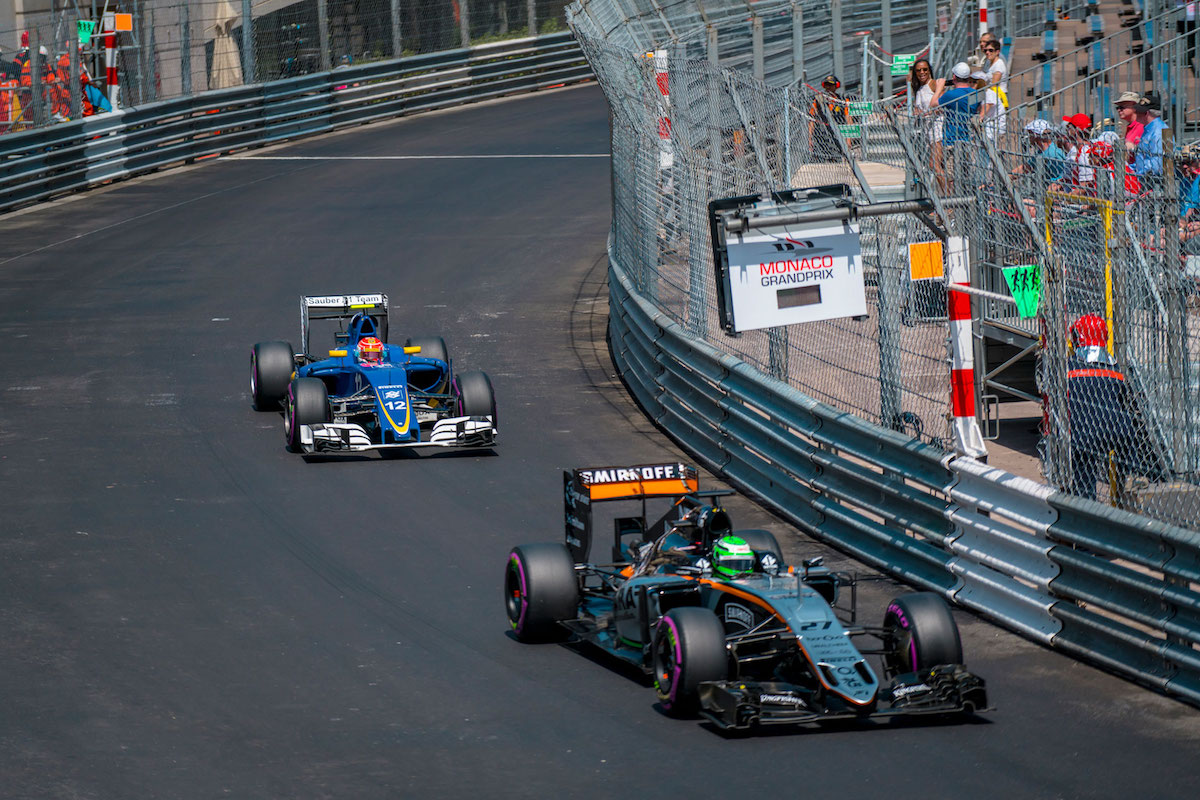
x=1126 y=111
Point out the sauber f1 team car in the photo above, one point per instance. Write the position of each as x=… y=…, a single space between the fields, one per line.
x=367 y=394
x=764 y=648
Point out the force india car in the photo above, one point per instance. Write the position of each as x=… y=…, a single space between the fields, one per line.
x=763 y=649
x=341 y=404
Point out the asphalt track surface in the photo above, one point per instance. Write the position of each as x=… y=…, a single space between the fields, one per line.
x=189 y=611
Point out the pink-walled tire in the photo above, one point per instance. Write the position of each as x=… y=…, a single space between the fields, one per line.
x=688 y=650
x=540 y=590
x=271 y=367
x=920 y=633
x=307 y=403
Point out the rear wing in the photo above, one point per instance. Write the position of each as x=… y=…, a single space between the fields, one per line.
x=584 y=487
x=342 y=307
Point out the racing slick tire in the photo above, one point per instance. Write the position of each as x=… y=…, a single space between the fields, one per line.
x=307 y=403
x=476 y=398
x=764 y=544
x=921 y=633
x=271 y=368
x=540 y=589
x=688 y=649
x=431 y=347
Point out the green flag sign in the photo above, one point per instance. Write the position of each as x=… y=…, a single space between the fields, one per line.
x=85 y=26
x=1025 y=283
x=861 y=107
x=902 y=63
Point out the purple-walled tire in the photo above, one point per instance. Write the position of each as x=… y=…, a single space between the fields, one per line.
x=540 y=590
x=271 y=367
x=689 y=649
x=920 y=633
x=307 y=403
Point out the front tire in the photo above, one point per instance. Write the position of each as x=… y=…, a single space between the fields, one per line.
x=540 y=590
x=689 y=649
x=476 y=398
x=920 y=633
x=307 y=404
x=271 y=367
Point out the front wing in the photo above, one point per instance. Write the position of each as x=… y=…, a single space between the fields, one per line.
x=946 y=689
x=347 y=437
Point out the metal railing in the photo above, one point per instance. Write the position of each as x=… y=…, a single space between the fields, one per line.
x=41 y=163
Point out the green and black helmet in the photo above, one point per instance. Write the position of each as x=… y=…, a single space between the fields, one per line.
x=732 y=557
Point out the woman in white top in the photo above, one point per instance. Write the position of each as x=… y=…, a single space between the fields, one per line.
x=924 y=90
x=991 y=110
x=996 y=69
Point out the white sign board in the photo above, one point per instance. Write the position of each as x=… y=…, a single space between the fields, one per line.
x=782 y=276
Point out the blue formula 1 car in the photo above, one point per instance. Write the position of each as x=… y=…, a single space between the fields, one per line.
x=367 y=394
x=766 y=647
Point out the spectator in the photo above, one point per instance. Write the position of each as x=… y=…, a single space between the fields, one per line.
x=1147 y=158
x=1189 y=192
x=992 y=106
x=955 y=104
x=821 y=136
x=1106 y=428
x=1081 y=177
x=1054 y=160
x=996 y=69
x=1127 y=113
x=1102 y=148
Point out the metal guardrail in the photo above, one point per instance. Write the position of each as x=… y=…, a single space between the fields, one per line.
x=42 y=163
x=1099 y=583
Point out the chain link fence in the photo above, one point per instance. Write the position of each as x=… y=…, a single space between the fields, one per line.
x=719 y=132
x=179 y=48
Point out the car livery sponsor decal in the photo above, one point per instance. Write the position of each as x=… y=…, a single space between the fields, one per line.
x=904 y=691
x=393 y=402
x=781 y=698
x=739 y=615
x=642 y=480
x=338 y=300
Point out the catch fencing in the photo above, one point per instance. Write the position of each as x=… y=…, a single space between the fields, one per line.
x=177 y=49
x=838 y=424
x=74 y=155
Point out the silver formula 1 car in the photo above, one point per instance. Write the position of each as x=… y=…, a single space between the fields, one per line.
x=769 y=647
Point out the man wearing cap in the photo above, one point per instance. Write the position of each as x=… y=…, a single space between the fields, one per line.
x=955 y=103
x=1054 y=159
x=1081 y=175
x=1127 y=113
x=1148 y=157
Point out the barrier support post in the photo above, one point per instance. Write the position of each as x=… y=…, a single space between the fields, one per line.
x=74 y=86
x=839 y=55
x=323 y=34
x=247 y=42
x=185 y=49
x=797 y=42
x=397 y=30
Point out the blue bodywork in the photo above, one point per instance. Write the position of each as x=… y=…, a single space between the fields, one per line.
x=383 y=398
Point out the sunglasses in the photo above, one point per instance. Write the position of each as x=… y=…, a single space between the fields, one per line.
x=991 y=49
x=922 y=69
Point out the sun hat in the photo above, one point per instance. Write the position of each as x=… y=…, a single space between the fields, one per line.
x=1129 y=97
x=961 y=71
x=1038 y=127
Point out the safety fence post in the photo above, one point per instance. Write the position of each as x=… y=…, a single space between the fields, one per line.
x=185 y=48
x=323 y=34
x=531 y=11
x=756 y=39
x=110 y=60
x=797 y=42
x=74 y=84
x=839 y=56
x=397 y=31
x=464 y=21
x=248 y=60
x=968 y=440
x=888 y=81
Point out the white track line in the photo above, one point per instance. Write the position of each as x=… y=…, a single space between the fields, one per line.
x=415 y=158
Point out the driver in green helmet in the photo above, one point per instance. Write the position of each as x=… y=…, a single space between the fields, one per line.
x=732 y=558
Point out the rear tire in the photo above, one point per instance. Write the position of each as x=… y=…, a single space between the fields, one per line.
x=921 y=633
x=689 y=649
x=476 y=398
x=307 y=404
x=540 y=589
x=271 y=368
x=432 y=347
x=764 y=544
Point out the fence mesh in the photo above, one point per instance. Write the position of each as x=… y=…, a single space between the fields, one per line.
x=177 y=48
x=1111 y=260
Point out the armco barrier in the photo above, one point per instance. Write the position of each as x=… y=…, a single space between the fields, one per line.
x=42 y=163
x=1108 y=586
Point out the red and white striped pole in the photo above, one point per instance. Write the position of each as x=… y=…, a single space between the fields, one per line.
x=666 y=156
x=983 y=21
x=968 y=440
x=110 y=59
